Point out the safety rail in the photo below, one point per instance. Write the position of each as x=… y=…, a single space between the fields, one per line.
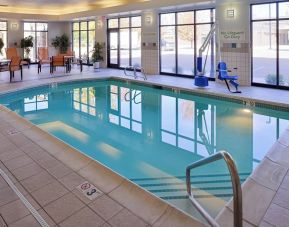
x=237 y=191
x=135 y=70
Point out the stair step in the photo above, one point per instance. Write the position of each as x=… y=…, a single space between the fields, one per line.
x=184 y=177
x=196 y=196
x=193 y=189
x=182 y=183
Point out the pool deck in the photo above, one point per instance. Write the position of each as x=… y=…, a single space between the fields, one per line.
x=47 y=171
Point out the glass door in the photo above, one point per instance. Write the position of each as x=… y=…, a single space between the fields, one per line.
x=113 y=47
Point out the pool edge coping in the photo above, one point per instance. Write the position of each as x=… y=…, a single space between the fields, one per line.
x=265 y=179
x=246 y=101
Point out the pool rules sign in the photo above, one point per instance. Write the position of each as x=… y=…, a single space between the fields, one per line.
x=232 y=36
x=89 y=190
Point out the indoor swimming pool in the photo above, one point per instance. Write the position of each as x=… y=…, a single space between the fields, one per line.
x=150 y=134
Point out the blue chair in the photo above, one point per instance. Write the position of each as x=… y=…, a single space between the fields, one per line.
x=224 y=76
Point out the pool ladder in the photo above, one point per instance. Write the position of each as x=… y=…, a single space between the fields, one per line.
x=135 y=70
x=237 y=191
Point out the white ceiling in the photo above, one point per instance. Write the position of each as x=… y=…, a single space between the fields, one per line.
x=94 y=7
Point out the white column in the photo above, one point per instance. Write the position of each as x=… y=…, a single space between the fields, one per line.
x=101 y=36
x=234 y=24
x=150 y=42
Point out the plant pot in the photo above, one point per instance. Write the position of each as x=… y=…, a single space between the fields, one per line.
x=96 y=65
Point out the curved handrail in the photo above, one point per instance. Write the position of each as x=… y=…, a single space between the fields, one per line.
x=237 y=191
x=129 y=67
x=143 y=72
x=134 y=69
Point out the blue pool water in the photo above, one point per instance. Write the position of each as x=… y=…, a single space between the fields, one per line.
x=149 y=135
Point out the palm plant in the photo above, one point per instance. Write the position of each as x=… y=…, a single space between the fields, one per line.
x=61 y=42
x=97 y=54
x=27 y=43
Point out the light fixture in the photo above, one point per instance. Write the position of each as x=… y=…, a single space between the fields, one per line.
x=230 y=13
x=148 y=20
x=14 y=26
x=98 y=24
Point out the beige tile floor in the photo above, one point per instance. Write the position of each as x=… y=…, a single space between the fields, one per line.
x=47 y=172
x=49 y=182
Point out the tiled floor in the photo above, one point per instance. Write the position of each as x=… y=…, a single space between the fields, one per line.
x=47 y=172
x=49 y=186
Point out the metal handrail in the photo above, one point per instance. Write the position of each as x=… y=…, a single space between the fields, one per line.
x=143 y=72
x=129 y=67
x=237 y=191
x=135 y=68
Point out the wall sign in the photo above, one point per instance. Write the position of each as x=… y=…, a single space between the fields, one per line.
x=232 y=36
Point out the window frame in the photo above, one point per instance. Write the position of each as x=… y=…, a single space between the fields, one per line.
x=176 y=25
x=118 y=29
x=87 y=30
x=277 y=20
x=5 y=41
x=35 y=35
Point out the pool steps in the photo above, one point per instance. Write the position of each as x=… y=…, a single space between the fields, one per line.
x=206 y=188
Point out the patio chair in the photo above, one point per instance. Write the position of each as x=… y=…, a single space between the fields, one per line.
x=15 y=65
x=58 y=61
x=43 y=58
x=224 y=76
x=12 y=52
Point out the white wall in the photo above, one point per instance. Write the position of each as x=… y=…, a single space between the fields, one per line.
x=15 y=34
x=58 y=29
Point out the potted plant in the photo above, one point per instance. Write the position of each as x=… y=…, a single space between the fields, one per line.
x=97 y=54
x=26 y=44
x=61 y=42
x=1 y=46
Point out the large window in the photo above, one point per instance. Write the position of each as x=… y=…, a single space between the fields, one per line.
x=3 y=36
x=270 y=40
x=124 y=42
x=39 y=33
x=181 y=36
x=83 y=34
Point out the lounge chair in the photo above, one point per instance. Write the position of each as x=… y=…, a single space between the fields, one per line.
x=12 y=52
x=43 y=58
x=15 y=65
x=224 y=76
x=58 y=61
